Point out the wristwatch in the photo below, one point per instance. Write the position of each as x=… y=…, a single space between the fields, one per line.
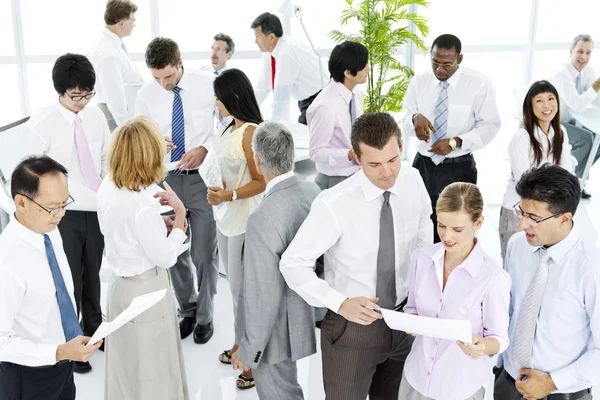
x=233 y=195
x=452 y=143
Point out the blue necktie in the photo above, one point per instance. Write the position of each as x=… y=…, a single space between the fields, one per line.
x=579 y=87
x=440 y=123
x=177 y=128
x=68 y=315
x=216 y=72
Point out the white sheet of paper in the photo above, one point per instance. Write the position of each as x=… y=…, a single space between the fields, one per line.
x=155 y=189
x=138 y=305
x=450 y=329
x=211 y=175
x=171 y=165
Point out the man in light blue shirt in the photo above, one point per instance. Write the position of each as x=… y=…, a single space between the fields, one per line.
x=554 y=310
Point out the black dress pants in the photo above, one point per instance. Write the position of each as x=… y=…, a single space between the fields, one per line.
x=83 y=244
x=18 y=382
x=437 y=177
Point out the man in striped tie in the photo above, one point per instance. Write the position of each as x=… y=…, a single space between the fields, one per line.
x=182 y=101
x=40 y=336
x=554 y=307
x=578 y=86
x=452 y=111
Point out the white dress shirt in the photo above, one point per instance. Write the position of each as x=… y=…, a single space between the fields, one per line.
x=210 y=68
x=567 y=335
x=134 y=232
x=472 y=112
x=570 y=100
x=343 y=224
x=114 y=69
x=30 y=323
x=278 y=179
x=198 y=98
x=55 y=127
x=522 y=158
x=329 y=126
x=297 y=74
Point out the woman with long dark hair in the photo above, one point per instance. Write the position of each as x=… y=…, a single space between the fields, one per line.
x=242 y=188
x=540 y=140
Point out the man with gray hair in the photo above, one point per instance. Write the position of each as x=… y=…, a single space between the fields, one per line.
x=278 y=323
x=578 y=85
x=222 y=50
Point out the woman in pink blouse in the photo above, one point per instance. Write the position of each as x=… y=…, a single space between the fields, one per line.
x=456 y=279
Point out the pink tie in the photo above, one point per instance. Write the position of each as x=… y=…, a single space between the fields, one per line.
x=90 y=176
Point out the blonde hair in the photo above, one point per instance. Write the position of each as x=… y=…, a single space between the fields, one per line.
x=135 y=156
x=461 y=196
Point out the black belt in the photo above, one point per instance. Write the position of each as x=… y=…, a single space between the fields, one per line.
x=461 y=159
x=19 y=366
x=558 y=396
x=188 y=172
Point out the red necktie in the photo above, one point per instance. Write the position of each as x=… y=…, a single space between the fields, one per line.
x=272 y=72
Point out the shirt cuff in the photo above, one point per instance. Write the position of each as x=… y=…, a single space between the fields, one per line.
x=334 y=300
x=503 y=343
x=410 y=310
x=565 y=378
x=467 y=143
x=47 y=354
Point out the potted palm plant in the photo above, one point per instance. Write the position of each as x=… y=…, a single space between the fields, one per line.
x=384 y=27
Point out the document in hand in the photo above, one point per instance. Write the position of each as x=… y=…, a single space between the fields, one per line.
x=451 y=329
x=138 y=305
x=211 y=175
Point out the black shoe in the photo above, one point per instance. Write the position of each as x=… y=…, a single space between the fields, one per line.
x=82 y=367
x=101 y=348
x=585 y=195
x=186 y=326
x=318 y=324
x=203 y=333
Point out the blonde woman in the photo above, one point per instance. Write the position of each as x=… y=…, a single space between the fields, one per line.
x=143 y=358
x=456 y=279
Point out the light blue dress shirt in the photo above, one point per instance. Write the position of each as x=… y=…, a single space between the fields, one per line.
x=567 y=338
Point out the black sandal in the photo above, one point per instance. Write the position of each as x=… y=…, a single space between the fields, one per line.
x=225 y=357
x=247 y=383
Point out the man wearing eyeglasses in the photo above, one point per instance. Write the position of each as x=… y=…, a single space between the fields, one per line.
x=554 y=308
x=452 y=111
x=75 y=134
x=40 y=334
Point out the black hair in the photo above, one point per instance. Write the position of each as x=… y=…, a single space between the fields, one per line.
x=234 y=90
x=162 y=52
x=25 y=179
x=350 y=56
x=73 y=71
x=227 y=39
x=374 y=130
x=448 y=42
x=553 y=185
x=269 y=23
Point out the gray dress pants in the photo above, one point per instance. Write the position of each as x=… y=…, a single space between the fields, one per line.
x=202 y=255
x=581 y=140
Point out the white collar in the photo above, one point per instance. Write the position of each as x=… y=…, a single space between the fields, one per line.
x=278 y=179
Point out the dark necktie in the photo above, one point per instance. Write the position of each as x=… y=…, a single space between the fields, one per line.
x=177 y=128
x=352 y=109
x=68 y=315
x=386 y=257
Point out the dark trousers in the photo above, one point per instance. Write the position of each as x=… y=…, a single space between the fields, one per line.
x=362 y=360
x=303 y=106
x=83 y=244
x=18 y=382
x=505 y=389
x=437 y=177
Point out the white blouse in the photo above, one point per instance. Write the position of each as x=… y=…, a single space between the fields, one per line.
x=135 y=235
x=522 y=158
x=236 y=173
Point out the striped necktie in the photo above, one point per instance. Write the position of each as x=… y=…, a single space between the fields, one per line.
x=440 y=122
x=528 y=315
x=177 y=128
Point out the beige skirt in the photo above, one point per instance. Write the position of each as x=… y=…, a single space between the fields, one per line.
x=143 y=359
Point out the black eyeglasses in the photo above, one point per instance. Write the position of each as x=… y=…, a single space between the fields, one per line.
x=52 y=211
x=520 y=214
x=79 y=98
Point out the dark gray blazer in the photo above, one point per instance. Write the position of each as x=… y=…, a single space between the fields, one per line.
x=279 y=324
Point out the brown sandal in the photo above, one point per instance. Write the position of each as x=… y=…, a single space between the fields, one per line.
x=225 y=357
x=243 y=382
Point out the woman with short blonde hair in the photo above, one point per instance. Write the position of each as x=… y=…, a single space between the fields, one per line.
x=143 y=359
x=456 y=279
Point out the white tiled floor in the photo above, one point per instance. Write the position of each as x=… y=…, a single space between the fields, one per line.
x=210 y=380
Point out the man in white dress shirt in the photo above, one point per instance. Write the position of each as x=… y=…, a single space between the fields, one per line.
x=367 y=226
x=39 y=331
x=452 y=111
x=578 y=85
x=290 y=68
x=75 y=134
x=182 y=102
x=114 y=68
x=222 y=50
